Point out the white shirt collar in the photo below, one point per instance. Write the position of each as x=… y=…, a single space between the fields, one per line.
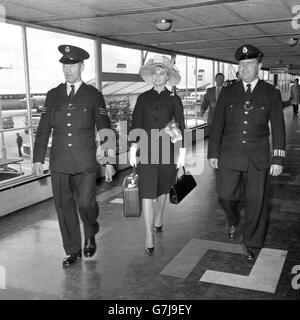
x=253 y=84
x=76 y=86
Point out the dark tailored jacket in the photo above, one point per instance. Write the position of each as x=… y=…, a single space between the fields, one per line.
x=238 y=135
x=209 y=100
x=72 y=124
x=155 y=110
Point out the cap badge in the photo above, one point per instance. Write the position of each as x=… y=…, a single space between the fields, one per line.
x=245 y=50
x=67 y=49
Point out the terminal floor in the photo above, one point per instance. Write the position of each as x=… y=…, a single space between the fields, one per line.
x=191 y=253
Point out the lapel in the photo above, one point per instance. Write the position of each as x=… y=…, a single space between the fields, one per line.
x=212 y=92
x=81 y=92
x=62 y=93
x=239 y=91
x=257 y=89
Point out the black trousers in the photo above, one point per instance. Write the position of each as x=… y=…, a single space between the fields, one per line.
x=295 y=108
x=20 y=150
x=73 y=193
x=255 y=194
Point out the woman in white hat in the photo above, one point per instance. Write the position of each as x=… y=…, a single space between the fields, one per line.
x=156 y=109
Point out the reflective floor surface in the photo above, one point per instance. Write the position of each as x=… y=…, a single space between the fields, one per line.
x=193 y=258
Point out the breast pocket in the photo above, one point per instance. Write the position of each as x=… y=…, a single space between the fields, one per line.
x=262 y=112
x=229 y=111
x=84 y=117
x=55 y=116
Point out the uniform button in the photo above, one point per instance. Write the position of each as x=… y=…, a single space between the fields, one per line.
x=69 y=124
x=70 y=134
x=246 y=112
x=68 y=114
x=244 y=132
x=243 y=141
x=70 y=145
x=245 y=122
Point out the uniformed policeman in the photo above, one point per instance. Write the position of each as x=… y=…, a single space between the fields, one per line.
x=239 y=147
x=71 y=112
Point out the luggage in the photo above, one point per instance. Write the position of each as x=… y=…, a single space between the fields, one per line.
x=132 y=204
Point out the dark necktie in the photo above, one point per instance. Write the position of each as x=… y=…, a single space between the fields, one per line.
x=72 y=93
x=248 y=92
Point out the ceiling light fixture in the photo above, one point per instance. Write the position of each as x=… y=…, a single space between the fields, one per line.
x=292 y=42
x=163 y=24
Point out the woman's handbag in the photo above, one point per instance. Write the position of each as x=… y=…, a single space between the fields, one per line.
x=182 y=187
x=132 y=206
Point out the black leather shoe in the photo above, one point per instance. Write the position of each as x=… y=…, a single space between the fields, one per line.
x=233 y=232
x=250 y=253
x=149 y=251
x=158 y=229
x=89 y=247
x=71 y=259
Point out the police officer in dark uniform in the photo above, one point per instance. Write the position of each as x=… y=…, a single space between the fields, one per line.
x=71 y=112
x=239 y=147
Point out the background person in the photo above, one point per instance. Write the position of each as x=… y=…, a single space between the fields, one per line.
x=71 y=112
x=295 y=96
x=239 y=147
x=211 y=97
x=155 y=109
x=19 y=144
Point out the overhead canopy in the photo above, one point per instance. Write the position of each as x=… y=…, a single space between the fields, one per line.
x=206 y=29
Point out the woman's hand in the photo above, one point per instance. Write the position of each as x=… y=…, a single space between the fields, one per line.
x=132 y=155
x=109 y=172
x=181 y=158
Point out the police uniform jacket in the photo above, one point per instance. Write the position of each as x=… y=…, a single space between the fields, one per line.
x=240 y=132
x=72 y=124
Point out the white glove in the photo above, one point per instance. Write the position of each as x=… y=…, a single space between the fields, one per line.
x=132 y=155
x=181 y=158
x=38 y=169
x=109 y=172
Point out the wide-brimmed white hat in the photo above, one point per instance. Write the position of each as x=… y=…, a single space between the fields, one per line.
x=164 y=62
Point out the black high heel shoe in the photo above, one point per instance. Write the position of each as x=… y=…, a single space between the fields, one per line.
x=149 y=251
x=158 y=229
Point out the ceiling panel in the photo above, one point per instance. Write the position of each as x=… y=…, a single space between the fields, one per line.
x=260 y=9
x=207 y=28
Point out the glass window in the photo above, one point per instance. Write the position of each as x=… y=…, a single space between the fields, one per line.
x=196 y=76
x=119 y=59
x=13 y=163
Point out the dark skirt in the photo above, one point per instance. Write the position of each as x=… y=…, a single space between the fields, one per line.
x=155 y=179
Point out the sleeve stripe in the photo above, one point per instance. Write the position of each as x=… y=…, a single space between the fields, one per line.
x=279 y=153
x=103 y=111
